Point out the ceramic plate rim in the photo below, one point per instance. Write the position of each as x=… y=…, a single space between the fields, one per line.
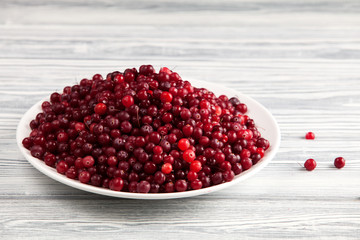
x=23 y=129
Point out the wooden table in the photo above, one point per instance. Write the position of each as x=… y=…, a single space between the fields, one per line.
x=300 y=60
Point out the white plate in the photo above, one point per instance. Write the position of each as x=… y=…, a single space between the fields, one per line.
x=264 y=121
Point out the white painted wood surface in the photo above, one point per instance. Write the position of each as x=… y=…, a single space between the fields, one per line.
x=301 y=60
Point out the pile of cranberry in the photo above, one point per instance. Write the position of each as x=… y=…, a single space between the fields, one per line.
x=146 y=132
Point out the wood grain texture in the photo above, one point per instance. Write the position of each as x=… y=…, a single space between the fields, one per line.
x=300 y=60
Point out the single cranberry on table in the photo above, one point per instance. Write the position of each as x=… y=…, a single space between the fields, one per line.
x=145 y=132
x=310 y=136
x=339 y=162
x=310 y=164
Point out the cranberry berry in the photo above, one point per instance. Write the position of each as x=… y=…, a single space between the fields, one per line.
x=339 y=162
x=310 y=164
x=310 y=136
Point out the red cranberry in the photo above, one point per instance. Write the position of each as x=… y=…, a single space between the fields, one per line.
x=228 y=175
x=339 y=162
x=166 y=97
x=217 y=178
x=127 y=101
x=37 y=151
x=196 y=184
x=88 y=161
x=84 y=177
x=310 y=136
x=27 y=142
x=195 y=166
x=62 y=137
x=50 y=159
x=61 y=167
x=310 y=164
x=263 y=143
x=96 y=180
x=71 y=173
x=246 y=163
x=183 y=144
x=143 y=187
x=116 y=184
x=100 y=108
x=181 y=185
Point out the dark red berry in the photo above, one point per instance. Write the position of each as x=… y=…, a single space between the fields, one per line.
x=246 y=163
x=143 y=187
x=88 y=161
x=61 y=167
x=196 y=184
x=181 y=185
x=339 y=162
x=84 y=177
x=116 y=184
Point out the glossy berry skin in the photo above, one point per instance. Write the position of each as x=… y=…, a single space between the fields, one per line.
x=119 y=78
x=183 y=144
x=50 y=159
x=195 y=166
x=127 y=101
x=62 y=137
x=189 y=155
x=310 y=164
x=116 y=184
x=310 y=136
x=166 y=168
x=191 y=176
x=180 y=185
x=339 y=162
x=166 y=97
x=61 y=167
x=84 y=177
x=88 y=161
x=79 y=126
x=100 y=108
x=228 y=176
x=158 y=150
x=246 y=163
x=196 y=184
